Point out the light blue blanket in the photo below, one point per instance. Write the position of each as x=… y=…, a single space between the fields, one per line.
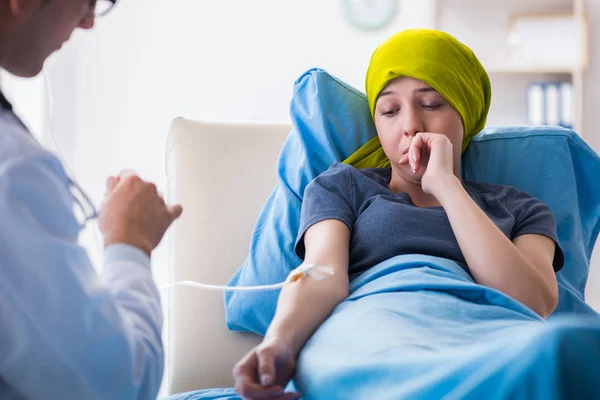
x=418 y=327
x=210 y=394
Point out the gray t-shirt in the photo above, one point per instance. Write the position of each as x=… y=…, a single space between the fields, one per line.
x=384 y=224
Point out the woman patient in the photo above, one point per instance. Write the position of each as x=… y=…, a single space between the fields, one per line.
x=428 y=95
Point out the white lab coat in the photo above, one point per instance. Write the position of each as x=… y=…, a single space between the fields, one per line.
x=66 y=331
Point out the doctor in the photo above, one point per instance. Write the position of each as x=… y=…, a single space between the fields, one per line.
x=66 y=331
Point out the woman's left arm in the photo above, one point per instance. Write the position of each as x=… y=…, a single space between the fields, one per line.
x=521 y=268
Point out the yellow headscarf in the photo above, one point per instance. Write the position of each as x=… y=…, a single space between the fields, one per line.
x=442 y=62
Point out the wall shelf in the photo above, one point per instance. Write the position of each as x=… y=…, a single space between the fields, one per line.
x=530 y=70
x=485 y=26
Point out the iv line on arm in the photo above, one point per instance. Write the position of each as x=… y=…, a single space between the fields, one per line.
x=305 y=270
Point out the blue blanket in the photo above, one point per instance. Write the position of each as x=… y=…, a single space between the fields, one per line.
x=418 y=327
x=210 y=394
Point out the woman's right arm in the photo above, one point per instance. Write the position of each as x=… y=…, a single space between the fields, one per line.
x=303 y=306
x=301 y=309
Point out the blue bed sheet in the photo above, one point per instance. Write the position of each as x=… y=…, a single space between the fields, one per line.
x=418 y=327
x=211 y=394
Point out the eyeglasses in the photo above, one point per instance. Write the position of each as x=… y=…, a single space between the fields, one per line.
x=102 y=7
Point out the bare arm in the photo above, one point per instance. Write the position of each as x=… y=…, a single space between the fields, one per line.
x=304 y=305
x=522 y=269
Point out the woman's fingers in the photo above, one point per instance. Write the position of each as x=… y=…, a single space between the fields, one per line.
x=249 y=381
x=249 y=390
x=414 y=152
x=403 y=159
x=266 y=367
x=419 y=150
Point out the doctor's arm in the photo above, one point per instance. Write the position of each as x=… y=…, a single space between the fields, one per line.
x=68 y=331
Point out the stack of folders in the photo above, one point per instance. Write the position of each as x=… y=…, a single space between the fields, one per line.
x=550 y=104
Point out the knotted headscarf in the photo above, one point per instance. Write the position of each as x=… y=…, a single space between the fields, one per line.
x=442 y=62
